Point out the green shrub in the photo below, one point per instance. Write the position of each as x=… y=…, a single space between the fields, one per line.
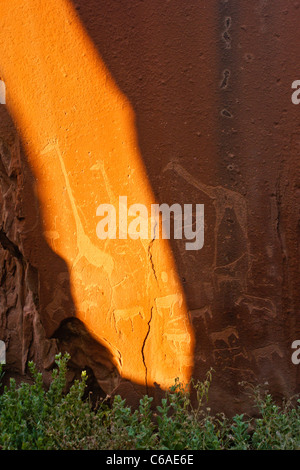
x=277 y=428
x=131 y=430
x=34 y=418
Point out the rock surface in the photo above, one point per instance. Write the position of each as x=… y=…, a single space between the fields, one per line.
x=175 y=102
x=25 y=259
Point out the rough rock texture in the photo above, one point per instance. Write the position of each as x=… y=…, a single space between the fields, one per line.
x=20 y=287
x=207 y=118
x=80 y=143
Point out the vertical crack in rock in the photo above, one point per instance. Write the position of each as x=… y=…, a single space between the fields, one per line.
x=143 y=347
x=151 y=258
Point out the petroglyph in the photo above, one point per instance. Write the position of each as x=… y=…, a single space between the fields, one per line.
x=224 y=335
x=169 y=302
x=127 y=314
x=202 y=313
x=267 y=352
x=238 y=270
x=86 y=249
x=100 y=166
x=223 y=198
x=166 y=306
x=177 y=339
x=258 y=303
x=218 y=354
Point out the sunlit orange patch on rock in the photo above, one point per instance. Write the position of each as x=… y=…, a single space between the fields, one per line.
x=79 y=134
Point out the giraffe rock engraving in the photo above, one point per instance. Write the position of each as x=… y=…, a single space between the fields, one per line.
x=86 y=249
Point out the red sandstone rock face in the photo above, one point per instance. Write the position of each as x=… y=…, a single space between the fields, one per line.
x=26 y=265
x=210 y=85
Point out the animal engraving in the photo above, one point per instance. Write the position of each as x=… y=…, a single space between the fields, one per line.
x=127 y=314
x=267 y=352
x=224 y=335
